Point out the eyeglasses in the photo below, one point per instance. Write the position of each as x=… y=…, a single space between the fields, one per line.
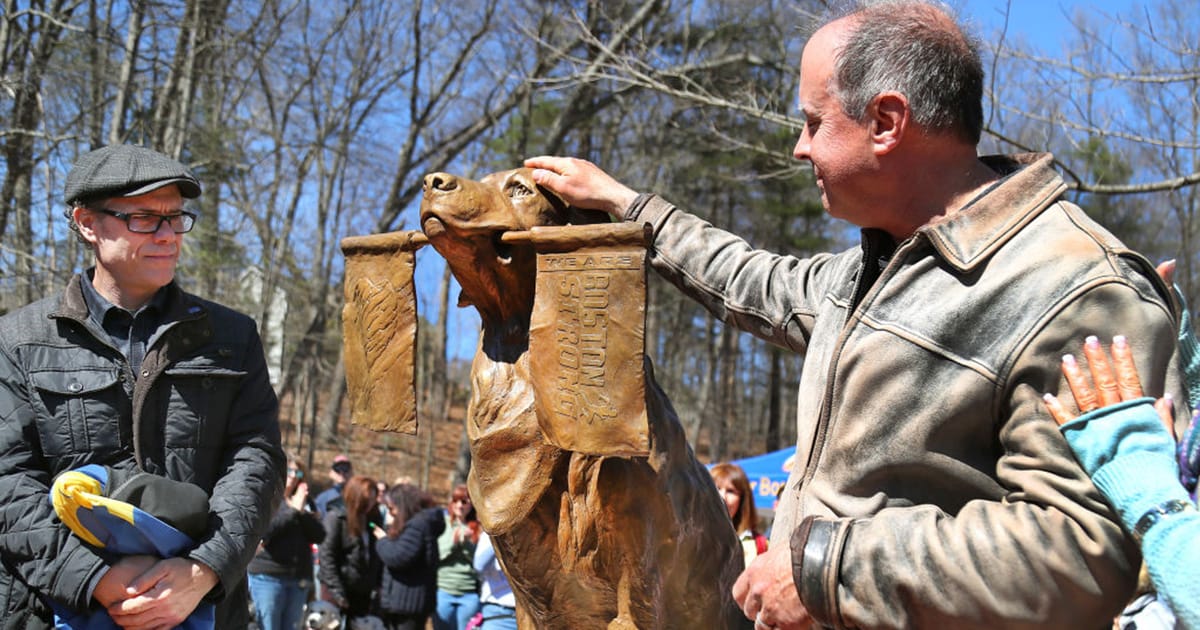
x=148 y=222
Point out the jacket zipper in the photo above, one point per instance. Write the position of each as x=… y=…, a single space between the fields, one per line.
x=863 y=292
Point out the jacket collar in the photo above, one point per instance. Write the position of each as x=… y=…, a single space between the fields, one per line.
x=177 y=305
x=968 y=237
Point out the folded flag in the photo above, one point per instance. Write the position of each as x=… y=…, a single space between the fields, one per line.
x=124 y=514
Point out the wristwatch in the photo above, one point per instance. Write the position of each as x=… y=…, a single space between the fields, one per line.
x=1157 y=513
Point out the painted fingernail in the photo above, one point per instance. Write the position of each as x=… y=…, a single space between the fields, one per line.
x=1068 y=359
x=1119 y=341
x=1092 y=341
x=1048 y=397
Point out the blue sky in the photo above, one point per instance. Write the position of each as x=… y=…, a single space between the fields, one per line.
x=1041 y=22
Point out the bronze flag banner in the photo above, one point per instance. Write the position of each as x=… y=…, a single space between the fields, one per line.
x=587 y=338
x=379 y=324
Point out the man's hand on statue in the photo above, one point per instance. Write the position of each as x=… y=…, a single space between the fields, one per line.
x=582 y=184
x=767 y=594
x=164 y=596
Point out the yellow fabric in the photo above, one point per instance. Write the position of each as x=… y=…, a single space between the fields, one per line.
x=74 y=490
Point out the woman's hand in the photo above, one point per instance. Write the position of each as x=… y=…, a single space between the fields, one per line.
x=299 y=497
x=1115 y=382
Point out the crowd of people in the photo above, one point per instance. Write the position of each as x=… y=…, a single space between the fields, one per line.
x=951 y=452
x=388 y=551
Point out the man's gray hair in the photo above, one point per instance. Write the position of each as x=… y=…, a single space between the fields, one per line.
x=917 y=48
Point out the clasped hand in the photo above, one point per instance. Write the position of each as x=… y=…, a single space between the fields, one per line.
x=145 y=593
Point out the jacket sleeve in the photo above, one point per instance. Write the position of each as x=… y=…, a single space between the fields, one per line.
x=408 y=548
x=1131 y=457
x=1049 y=553
x=314 y=531
x=245 y=496
x=332 y=554
x=33 y=544
x=770 y=296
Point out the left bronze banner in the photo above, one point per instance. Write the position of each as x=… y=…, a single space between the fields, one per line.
x=379 y=324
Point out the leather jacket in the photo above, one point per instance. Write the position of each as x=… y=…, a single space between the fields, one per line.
x=202 y=410
x=932 y=489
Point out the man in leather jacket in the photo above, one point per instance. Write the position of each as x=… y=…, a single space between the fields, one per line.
x=931 y=489
x=125 y=369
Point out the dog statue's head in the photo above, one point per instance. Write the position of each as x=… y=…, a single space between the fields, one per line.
x=464 y=221
x=322 y=615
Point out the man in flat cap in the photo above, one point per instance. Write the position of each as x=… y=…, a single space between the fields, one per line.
x=126 y=370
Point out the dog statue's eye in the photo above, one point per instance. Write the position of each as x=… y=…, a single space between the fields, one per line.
x=517 y=189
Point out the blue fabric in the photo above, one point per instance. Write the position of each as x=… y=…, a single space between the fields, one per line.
x=1189 y=351
x=1131 y=457
x=146 y=535
x=454 y=611
x=1118 y=446
x=497 y=617
x=278 y=600
x=1129 y=426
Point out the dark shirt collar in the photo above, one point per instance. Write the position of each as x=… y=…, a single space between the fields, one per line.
x=99 y=307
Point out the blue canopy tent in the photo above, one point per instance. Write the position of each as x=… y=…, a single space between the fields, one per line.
x=767 y=474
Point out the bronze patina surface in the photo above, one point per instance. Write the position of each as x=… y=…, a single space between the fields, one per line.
x=633 y=537
x=379 y=324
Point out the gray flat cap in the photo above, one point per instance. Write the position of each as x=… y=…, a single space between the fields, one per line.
x=125 y=170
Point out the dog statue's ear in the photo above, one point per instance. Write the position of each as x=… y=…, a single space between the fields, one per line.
x=579 y=216
x=571 y=214
x=556 y=201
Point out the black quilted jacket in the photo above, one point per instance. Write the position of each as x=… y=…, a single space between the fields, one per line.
x=202 y=410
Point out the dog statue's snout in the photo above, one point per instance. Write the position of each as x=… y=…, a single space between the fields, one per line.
x=440 y=182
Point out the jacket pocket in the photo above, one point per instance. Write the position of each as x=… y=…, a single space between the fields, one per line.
x=84 y=407
x=204 y=392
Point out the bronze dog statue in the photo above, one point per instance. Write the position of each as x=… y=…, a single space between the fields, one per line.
x=587 y=541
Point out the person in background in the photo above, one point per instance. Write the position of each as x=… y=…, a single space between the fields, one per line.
x=339 y=472
x=409 y=552
x=281 y=574
x=1126 y=442
x=498 y=609
x=734 y=488
x=349 y=564
x=457 y=582
x=927 y=465
x=125 y=369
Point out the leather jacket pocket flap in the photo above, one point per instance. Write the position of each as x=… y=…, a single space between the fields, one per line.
x=75 y=382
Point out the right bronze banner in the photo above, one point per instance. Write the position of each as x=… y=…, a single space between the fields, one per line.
x=587 y=338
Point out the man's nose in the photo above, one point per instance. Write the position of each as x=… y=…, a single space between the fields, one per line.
x=803 y=148
x=164 y=232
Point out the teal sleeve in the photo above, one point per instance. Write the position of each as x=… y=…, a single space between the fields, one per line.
x=1173 y=560
x=1189 y=352
x=1133 y=426
x=1130 y=455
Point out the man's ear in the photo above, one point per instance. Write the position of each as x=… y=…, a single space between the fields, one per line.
x=890 y=117
x=85 y=220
